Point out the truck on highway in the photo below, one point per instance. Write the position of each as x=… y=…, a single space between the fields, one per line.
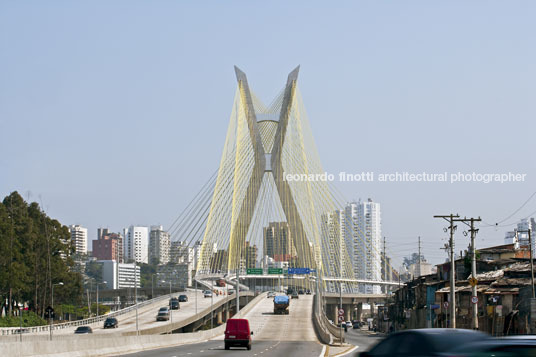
x=281 y=303
x=220 y=283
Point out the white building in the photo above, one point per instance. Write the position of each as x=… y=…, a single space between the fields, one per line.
x=159 y=245
x=136 y=244
x=520 y=236
x=78 y=238
x=120 y=275
x=363 y=240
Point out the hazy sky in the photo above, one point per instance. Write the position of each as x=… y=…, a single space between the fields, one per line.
x=115 y=112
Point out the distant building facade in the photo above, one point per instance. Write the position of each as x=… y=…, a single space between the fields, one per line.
x=136 y=244
x=78 y=238
x=120 y=275
x=108 y=246
x=159 y=245
x=277 y=242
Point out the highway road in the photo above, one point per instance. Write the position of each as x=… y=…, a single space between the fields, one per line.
x=147 y=315
x=273 y=335
x=364 y=339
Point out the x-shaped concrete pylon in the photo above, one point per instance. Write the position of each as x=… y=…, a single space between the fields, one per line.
x=297 y=232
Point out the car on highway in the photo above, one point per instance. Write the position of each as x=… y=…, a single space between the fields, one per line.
x=237 y=333
x=295 y=295
x=183 y=298
x=271 y=294
x=424 y=342
x=503 y=346
x=111 y=322
x=231 y=292
x=81 y=330
x=356 y=325
x=349 y=324
x=308 y=292
x=301 y=292
x=174 y=304
x=163 y=314
x=207 y=293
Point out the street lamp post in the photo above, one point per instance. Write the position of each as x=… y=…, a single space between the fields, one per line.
x=104 y=282
x=52 y=301
x=211 y=303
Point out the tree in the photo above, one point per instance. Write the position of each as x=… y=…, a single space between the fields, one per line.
x=36 y=254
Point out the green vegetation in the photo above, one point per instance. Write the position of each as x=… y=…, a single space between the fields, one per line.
x=29 y=318
x=35 y=254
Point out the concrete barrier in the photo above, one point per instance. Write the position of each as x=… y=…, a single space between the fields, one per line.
x=321 y=330
x=82 y=346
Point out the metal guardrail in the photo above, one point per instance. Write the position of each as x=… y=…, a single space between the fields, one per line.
x=6 y=331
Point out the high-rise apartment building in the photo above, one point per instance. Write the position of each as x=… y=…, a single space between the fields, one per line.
x=108 y=246
x=136 y=244
x=78 y=238
x=278 y=243
x=159 y=245
x=362 y=226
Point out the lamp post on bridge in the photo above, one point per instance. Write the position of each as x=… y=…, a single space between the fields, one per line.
x=104 y=282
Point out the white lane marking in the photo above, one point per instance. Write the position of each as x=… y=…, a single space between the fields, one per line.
x=323 y=351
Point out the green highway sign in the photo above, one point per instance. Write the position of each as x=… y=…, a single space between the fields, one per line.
x=255 y=271
x=275 y=270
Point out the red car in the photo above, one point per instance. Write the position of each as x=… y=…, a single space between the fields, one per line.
x=237 y=333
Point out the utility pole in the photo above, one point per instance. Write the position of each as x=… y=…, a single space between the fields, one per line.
x=452 y=228
x=386 y=276
x=419 y=258
x=474 y=293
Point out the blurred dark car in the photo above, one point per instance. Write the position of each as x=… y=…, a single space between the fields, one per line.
x=83 y=330
x=301 y=292
x=308 y=292
x=183 y=298
x=424 y=342
x=111 y=322
x=174 y=304
x=356 y=325
x=500 y=347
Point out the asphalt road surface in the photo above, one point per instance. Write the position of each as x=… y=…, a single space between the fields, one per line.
x=274 y=335
x=364 y=339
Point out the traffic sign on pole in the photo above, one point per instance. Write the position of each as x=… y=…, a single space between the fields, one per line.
x=474 y=299
x=446 y=304
x=341 y=312
x=341 y=318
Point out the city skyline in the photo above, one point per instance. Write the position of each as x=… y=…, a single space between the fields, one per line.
x=382 y=96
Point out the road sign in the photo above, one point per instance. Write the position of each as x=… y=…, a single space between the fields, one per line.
x=341 y=312
x=473 y=281
x=341 y=318
x=474 y=299
x=275 y=270
x=254 y=271
x=446 y=304
x=299 y=271
x=435 y=306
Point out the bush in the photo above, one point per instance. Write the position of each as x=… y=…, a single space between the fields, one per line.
x=29 y=318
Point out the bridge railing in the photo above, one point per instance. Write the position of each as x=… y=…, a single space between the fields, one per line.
x=45 y=328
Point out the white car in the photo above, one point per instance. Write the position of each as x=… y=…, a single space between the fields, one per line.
x=271 y=294
x=349 y=324
x=207 y=293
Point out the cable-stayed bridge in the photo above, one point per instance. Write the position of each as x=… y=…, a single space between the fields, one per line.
x=270 y=178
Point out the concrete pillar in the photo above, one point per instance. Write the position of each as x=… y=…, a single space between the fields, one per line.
x=372 y=309
x=219 y=317
x=359 y=311
x=226 y=314
x=348 y=312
